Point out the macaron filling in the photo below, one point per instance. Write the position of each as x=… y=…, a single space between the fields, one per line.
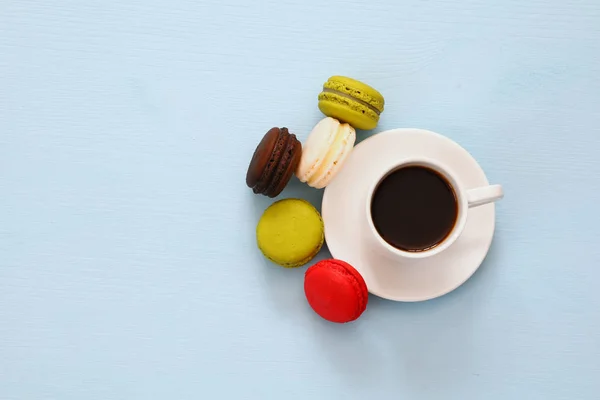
x=350 y=97
x=356 y=89
x=334 y=105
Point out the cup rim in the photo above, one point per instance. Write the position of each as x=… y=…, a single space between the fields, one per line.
x=461 y=202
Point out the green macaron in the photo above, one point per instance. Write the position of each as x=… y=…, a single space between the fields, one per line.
x=351 y=101
x=290 y=232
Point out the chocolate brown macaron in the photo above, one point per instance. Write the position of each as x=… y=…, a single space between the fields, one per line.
x=273 y=163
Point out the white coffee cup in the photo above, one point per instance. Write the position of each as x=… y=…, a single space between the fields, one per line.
x=465 y=198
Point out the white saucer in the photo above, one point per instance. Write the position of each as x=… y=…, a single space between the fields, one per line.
x=344 y=214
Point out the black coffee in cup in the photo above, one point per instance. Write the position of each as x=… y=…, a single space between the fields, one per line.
x=414 y=208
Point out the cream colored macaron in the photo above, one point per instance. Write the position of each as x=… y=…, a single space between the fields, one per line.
x=325 y=151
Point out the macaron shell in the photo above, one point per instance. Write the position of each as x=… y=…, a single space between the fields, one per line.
x=290 y=232
x=356 y=114
x=335 y=291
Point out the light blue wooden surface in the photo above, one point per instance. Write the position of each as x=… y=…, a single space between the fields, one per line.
x=128 y=268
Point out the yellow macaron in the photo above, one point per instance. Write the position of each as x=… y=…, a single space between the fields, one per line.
x=351 y=101
x=290 y=232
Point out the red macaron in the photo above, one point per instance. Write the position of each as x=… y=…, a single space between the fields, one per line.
x=335 y=290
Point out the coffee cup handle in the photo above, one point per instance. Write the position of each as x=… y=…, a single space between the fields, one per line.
x=484 y=195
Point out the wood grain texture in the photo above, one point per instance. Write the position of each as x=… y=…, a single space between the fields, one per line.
x=128 y=265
